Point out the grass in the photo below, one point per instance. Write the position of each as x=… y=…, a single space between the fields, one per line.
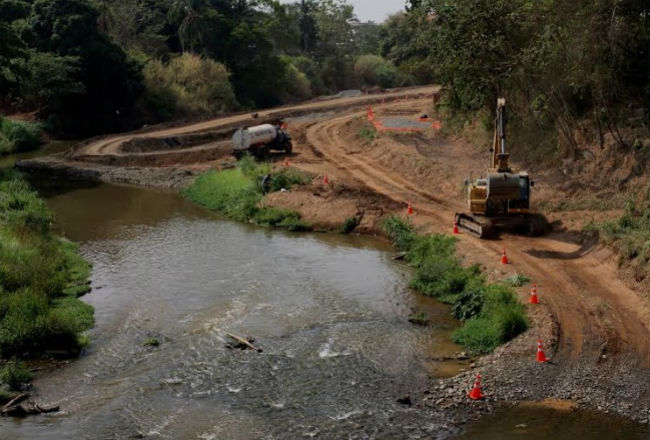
x=16 y=136
x=41 y=276
x=237 y=194
x=516 y=280
x=490 y=313
x=367 y=133
x=349 y=225
x=15 y=374
x=629 y=235
x=152 y=342
x=419 y=318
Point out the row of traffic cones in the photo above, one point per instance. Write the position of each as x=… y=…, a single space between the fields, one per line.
x=477 y=394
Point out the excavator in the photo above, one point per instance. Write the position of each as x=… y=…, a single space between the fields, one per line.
x=500 y=200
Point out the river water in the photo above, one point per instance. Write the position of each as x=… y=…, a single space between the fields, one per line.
x=329 y=311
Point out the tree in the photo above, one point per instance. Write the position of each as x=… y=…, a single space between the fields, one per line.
x=187 y=16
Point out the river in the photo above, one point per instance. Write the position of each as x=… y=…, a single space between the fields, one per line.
x=329 y=311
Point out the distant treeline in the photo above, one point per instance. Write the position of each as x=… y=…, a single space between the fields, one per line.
x=95 y=66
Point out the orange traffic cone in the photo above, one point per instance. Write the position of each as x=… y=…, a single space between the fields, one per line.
x=409 y=210
x=504 y=257
x=326 y=180
x=371 y=114
x=476 y=393
x=533 y=295
x=455 y=228
x=541 y=357
x=286 y=161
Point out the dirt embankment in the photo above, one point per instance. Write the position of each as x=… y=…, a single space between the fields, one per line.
x=594 y=325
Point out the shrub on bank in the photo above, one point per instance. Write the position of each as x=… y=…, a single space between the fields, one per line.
x=237 y=193
x=490 y=313
x=17 y=136
x=41 y=276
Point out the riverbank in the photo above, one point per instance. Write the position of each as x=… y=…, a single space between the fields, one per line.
x=41 y=278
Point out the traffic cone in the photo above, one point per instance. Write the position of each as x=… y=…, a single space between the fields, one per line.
x=371 y=114
x=541 y=357
x=533 y=295
x=455 y=228
x=504 y=257
x=409 y=210
x=286 y=161
x=476 y=393
x=326 y=180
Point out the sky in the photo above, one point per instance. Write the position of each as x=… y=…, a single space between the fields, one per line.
x=375 y=10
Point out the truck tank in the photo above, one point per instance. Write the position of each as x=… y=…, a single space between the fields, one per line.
x=244 y=138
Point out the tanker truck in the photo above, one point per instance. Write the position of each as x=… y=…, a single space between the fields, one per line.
x=260 y=140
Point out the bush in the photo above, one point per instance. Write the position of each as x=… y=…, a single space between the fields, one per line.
x=373 y=70
x=490 y=313
x=187 y=86
x=15 y=374
x=41 y=276
x=16 y=136
x=349 y=225
x=237 y=193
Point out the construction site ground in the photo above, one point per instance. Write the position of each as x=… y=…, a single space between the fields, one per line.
x=593 y=317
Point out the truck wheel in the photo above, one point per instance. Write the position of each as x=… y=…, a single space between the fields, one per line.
x=288 y=148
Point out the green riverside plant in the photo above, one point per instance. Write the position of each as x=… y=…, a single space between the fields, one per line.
x=41 y=276
x=237 y=193
x=490 y=313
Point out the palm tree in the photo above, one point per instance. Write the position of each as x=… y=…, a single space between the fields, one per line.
x=185 y=14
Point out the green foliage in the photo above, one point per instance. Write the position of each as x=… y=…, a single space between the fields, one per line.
x=400 y=232
x=630 y=235
x=41 y=276
x=18 y=136
x=238 y=192
x=14 y=373
x=187 y=86
x=368 y=133
x=419 y=318
x=490 y=313
x=288 y=177
x=373 y=70
x=587 y=60
x=516 y=280
x=349 y=225
x=152 y=342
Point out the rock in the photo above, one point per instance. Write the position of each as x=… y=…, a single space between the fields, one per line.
x=521 y=425
x=406 y=400
x=462 y=356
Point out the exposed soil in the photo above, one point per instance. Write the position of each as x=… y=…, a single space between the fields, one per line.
x=594 y=323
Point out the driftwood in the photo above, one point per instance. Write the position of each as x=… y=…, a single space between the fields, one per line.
x=13 y=408
x=244 y=342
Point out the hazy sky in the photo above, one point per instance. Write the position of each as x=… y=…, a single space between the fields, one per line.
x=375 y=10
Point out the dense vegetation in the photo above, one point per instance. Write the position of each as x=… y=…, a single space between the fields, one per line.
x=490 y=313
x=560 y=63
x=41 y=277
x=237 y=193
x=16 y=136
x=94 y=66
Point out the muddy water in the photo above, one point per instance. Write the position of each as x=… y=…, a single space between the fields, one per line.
x=329 y=311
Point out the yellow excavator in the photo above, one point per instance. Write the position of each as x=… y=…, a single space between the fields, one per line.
x=501 y=200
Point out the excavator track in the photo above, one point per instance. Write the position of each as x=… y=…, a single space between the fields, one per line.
x=473 y=225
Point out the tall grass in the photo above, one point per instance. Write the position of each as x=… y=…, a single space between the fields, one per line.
x=629 y=235
x=41 y=276
x=16 y=136
x=490 y=313
x=237 y=194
